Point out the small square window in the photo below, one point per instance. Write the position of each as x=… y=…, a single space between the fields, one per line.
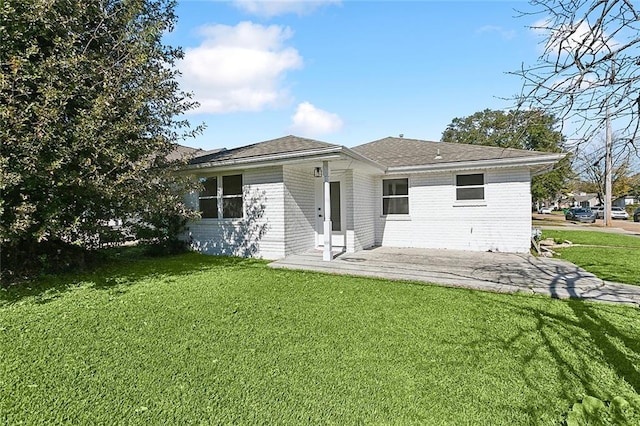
x=464 y=194
x=395 y=196
x=232 y=185
x=210 y=185
x=395 y=187
x=470 y=187
x=469 y=180
x=209 y=208
x=395 y=205
x=232 y=208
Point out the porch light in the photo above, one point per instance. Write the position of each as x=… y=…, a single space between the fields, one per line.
x=317 y=172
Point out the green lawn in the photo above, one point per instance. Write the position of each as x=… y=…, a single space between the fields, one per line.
x=612 y=257
x=201 y=340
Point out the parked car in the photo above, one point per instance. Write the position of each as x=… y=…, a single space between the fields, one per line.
x=616 y=212
x=580 y=214
x=544 y=210
x=599 y=211
x=619 y=213
x=636 y=215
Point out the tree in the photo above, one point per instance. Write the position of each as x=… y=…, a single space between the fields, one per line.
x=635 y=186
x=589 y=67
x=590 y=166
x=89 y=112
x=530 y=130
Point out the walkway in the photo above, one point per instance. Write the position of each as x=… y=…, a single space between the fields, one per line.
x=498 y=272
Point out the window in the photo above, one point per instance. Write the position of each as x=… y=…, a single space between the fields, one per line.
x=395 y=196
x=232 y=196
x=221 y=197
x=209 y=198
x=336 y=214
x=470 y=187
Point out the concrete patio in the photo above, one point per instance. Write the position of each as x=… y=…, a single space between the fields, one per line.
x=498 y=272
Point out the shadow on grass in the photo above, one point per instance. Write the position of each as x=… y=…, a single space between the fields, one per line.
x=602 y=333
x=581 y=341
x=120 y=268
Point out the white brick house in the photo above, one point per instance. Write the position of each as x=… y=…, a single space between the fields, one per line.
x=269 y=199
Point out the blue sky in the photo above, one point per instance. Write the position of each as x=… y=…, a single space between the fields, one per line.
x=347 y=72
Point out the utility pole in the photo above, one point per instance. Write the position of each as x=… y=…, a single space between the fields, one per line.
x=607 y=173
x=608 y=162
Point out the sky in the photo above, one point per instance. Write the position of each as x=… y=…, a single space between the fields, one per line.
x=347 y=72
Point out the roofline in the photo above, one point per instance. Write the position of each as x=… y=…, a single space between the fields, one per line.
x=356 y=156
x=546 y=160
x=541 y=163
x=267 y=158
x=281 y=158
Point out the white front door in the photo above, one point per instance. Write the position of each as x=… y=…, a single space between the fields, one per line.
x=338 y=214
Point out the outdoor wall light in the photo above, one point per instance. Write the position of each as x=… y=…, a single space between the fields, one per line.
x=317 y=172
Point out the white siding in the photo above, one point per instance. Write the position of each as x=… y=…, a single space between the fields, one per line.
x=299 y=209
x=364 y=203
x=346 y=188
x=281 y=217
x=260 y=233
x=501 y=223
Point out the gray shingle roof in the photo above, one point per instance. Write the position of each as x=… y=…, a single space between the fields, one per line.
x=287 y=144
x=585 y=197
x=401 y=152
x=182 y=151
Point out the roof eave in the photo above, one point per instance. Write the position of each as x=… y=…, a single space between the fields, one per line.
x=323 y=154
x=533 y=163
x=359 y=157
x=262 y=160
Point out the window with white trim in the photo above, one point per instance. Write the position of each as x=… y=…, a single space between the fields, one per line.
x=208 y=198
x=221 y=197
x=395 y=196
x=470 y=187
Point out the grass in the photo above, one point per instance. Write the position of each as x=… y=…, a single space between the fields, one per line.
x=194 y=339
x=612 y=257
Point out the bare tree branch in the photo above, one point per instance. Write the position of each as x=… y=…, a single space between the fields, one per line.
x=590 y=61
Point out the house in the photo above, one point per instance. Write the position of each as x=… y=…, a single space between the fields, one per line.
x=292 y=194
x=624 y=201
x=584 y=199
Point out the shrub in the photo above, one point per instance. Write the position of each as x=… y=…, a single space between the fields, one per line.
x=593 y=411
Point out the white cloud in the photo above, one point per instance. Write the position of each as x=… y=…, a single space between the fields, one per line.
x=541 y=26
x=271 y=8
x=506 y=34
x=567 y=39
x=576 y=82
x=239 y=68
x=311 y=121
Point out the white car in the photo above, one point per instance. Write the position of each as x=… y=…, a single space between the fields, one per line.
x=616 y=212
x=619 y=213
x=544 y=210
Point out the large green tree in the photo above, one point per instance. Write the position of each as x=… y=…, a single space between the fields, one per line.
x=89 y=111
x=530 y=130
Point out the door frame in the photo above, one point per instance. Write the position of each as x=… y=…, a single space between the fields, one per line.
x=338 y=238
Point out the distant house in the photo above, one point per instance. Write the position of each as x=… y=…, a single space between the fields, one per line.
x=624 y=201
x=292 y=194
x=584 y=200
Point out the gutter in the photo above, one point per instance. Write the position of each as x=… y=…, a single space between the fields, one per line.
x=262 y=160
x=547 y=160
x=334 y=152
